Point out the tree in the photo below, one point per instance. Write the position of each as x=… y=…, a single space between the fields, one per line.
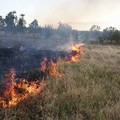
x=21 y=21
x=34 y=24
x=95 y=28
x=2 y=22
x=95 y=32
x=11 y=19
x=109 y=29
x=64 y=30
x=116 y=36
x=64 y=27
x=108 y=33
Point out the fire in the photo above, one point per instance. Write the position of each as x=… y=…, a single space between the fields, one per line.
x=44 y=64
x=15 y=91
x=43 y=68
x=52 y=69
x=76 y=52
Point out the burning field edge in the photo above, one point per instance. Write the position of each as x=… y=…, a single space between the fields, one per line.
x=87 y=89
x=16 y=90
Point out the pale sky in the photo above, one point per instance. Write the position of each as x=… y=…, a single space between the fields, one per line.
x=80 y=14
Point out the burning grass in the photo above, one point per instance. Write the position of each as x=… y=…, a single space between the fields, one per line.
x=15 y=91
x=89 y=90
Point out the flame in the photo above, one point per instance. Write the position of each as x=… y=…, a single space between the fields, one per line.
x=52 y=69
x=76 y=52
x=16 y=91
x=44 y=65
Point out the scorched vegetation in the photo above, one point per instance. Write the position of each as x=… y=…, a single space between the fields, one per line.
x=89 y=90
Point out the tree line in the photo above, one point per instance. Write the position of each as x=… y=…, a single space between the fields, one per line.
x=109 y=35
x=13 y=23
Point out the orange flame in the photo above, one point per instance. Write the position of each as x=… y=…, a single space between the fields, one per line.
x=76 y=52
x=52 y=69
x=44 y=64
x=16 y=91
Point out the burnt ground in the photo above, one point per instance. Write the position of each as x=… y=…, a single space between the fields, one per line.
x=25 y=62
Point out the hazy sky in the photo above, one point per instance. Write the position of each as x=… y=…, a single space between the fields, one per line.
x=80 y=14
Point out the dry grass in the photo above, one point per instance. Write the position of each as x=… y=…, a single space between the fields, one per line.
x=89 y=90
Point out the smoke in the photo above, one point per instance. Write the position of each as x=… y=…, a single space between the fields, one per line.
x=67 y=45
x=24 y=51
x=26 y=43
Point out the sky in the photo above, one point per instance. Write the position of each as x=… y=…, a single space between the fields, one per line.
x=80 y=14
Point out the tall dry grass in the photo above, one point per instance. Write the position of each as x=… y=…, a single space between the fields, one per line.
x=89 y=90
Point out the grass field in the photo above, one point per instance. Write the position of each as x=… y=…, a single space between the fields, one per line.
x=89 y=90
